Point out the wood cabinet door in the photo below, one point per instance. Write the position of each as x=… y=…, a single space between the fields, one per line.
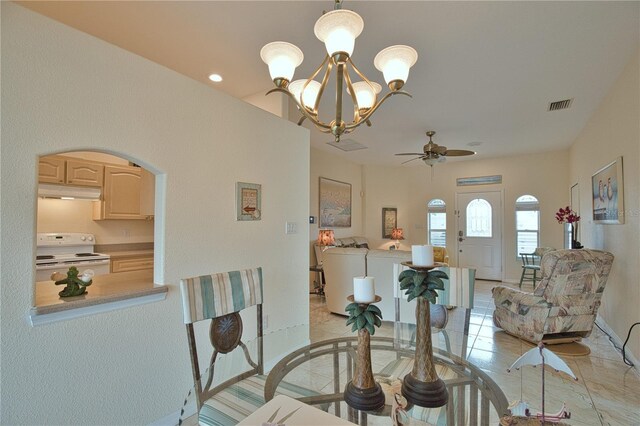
x=131 y=264
x=147 y=194
x=121 y=192
x=51 y=169
x=83 y=173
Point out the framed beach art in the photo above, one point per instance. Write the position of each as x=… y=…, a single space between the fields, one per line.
x=248 y=201
x=335 y=204
x=389 y=221
x=607 y=192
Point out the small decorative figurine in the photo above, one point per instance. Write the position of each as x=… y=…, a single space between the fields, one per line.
x=519 y=410
x=399 y=415
x=75 y=285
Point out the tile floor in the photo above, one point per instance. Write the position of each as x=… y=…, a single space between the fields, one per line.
x=607 y=391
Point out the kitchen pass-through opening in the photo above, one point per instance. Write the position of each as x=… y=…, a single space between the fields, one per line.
x=95 y=212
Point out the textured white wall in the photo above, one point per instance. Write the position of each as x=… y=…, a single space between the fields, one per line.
x=410 y=188
x=63 y=90
x=614 y=131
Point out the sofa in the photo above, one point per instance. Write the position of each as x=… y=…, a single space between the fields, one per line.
x=565 y=302
x=341 y=264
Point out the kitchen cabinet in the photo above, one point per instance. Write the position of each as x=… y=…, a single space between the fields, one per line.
x=84 y=173
x=51 y=169
x=131 y=263
x=120 y=194
x=148 y=195
x=70 y=171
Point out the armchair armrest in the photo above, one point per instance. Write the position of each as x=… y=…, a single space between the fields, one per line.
x=518 y=301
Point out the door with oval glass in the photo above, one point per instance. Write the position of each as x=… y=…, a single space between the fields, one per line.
x=479 y=233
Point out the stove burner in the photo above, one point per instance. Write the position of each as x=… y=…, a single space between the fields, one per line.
x=44 y=257
x=86 y=254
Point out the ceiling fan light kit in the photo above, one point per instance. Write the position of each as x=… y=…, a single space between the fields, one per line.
x=434 y=153
x=338 y=30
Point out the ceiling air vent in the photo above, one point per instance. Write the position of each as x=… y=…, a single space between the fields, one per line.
x=347 y=145
x=558 y=105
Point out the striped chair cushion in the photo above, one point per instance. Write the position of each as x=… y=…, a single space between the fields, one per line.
x=211 y=296
x=237 y=401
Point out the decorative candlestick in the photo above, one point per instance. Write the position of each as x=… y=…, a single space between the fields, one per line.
x=363 y=392
x=422 y=386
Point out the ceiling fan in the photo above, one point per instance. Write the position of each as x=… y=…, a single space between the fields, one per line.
x=434 y=153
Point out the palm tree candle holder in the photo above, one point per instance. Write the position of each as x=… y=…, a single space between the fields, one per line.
x=363 y=392
x=422 y=386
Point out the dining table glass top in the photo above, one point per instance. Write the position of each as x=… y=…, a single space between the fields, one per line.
x=325 y=367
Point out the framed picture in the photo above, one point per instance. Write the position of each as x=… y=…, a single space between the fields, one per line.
x=335 y=204
x=389 y=221
x=608 y=194
x=248 y=201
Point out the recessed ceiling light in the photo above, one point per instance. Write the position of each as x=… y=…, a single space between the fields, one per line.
x=216 y=78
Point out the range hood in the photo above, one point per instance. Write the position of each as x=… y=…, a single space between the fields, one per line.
x=48 y=190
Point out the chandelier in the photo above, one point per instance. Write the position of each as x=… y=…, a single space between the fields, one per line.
x=338 y=30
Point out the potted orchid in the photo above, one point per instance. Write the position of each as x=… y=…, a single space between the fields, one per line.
x=566 y=215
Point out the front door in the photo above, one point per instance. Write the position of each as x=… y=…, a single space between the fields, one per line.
x=479 y=233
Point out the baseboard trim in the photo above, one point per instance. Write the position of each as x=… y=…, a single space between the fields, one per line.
x=618 y=342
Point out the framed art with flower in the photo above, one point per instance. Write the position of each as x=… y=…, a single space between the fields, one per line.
x=608 y=194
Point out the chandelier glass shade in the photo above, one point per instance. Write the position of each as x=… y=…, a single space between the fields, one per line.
x=338 y=30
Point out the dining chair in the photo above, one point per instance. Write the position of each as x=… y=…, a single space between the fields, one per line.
x=219 y=298
x=531 y=265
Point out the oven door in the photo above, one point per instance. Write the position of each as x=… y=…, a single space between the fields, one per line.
x=100 y=267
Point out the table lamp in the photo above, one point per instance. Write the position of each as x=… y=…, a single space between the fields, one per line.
x=325 y=238
x=397 y=234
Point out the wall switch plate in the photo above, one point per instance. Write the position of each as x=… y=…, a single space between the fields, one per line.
x=292 y=228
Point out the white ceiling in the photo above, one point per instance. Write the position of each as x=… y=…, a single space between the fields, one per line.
x=486 y=71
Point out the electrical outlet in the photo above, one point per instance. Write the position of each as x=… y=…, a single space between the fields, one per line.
x=265 y=321
x=291 y=228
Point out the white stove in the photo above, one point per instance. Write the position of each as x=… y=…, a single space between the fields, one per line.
x=57 y=252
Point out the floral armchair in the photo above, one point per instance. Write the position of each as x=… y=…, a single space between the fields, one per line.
x=564 y=303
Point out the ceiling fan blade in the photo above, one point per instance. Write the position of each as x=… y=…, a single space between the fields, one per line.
x=457 y=152
x=408 y=161
x=411 y=153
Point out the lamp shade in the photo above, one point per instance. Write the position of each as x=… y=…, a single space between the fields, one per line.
x=310 y=92
x=325 y=237
x=338 y=30
x=282 y=59
x=397 y=234
x=365 y=93
x=431 y=161
x=395 y=61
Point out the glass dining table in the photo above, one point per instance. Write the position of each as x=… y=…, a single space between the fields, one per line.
x=328 y=365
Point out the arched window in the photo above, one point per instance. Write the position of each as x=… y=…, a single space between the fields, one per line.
x=437 y=223
x=527 y=224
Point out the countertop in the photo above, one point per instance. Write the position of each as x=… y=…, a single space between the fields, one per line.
x=104 y=289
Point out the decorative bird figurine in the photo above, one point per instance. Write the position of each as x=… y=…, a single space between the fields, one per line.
x=75 y=285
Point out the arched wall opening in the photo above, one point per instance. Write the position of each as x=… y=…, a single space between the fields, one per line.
x=131 y=235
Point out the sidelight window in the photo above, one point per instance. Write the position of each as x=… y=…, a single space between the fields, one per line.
x=437 y=223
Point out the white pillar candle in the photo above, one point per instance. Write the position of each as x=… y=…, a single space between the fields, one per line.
x=364 y=289
x=422 y=255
